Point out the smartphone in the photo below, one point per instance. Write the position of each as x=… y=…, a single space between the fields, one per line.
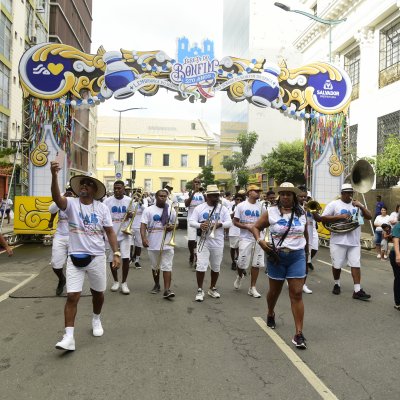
x=60 y=157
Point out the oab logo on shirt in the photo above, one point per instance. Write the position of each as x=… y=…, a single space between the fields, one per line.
x=214 y=217
x=344 y=211
x=156 y=217
x=118 y=209
x=252 y=213
x=285 y=222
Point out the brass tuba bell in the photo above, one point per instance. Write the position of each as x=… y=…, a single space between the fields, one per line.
x=361 y=177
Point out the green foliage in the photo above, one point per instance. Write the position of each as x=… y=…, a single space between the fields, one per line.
x=237 y=162
x=388 y=162
x=285 y=163
x=4 y=153
x=207 y=176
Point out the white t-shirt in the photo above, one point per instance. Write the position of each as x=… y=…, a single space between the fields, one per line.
x=155 y=230
x=226 y=202
x=118 y=209
x=62 y=225
x=139 y=212
x=248 y=214
x=295 y=239
x=86 y=224
x=233 y=230
x=6 y=204
x=394 y=218
x=311 y=228
x=338 y=207
x=197 y=199
x=379 y=220
x=221 y=214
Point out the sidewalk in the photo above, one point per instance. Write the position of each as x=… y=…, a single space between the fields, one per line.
x=7 y=227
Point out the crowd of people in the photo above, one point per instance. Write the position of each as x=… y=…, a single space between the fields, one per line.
x=274 y=230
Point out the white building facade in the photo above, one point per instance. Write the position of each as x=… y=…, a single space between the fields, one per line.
x=367 y=46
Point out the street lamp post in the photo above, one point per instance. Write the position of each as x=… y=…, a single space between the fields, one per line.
x=208 y=140
x=134 y=162
x=329 y=22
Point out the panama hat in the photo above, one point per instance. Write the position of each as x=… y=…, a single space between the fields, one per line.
x=212 y=189
x=288 y=187
x=253 y=187
x=346 y=187
x=74 y=182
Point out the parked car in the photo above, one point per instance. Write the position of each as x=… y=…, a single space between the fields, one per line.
x=182 y=209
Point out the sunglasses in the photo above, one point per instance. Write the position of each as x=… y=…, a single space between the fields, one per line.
x=87 y=182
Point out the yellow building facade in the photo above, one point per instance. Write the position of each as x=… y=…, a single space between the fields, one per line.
x=161 y=151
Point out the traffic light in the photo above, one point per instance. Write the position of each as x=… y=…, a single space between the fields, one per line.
x=133 y=175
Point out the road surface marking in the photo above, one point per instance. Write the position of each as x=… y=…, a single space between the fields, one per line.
x=310 y=376
x=6 y=294
x=324 y=262
x=13 y=247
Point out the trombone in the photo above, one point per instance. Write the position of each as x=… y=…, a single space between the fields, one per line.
x=204 y=233
x=128 y=229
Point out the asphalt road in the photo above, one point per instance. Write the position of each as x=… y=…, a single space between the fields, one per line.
x=158 y=349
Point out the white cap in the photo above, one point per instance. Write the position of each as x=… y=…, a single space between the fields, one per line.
x=346 y=187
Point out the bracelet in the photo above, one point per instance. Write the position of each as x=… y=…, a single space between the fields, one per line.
x=117 y=253
x=259 y=240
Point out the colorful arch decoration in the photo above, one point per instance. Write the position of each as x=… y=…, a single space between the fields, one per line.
x=53 y=71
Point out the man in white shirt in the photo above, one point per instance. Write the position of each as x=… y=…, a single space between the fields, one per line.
x=195 y=198
x=88 y=220
x=140 y=204
x=59 y=250
x=5 y=207
x=211 y=218
x=157 y=223
x=250 y=252
x=345 y=248
x=118 y=205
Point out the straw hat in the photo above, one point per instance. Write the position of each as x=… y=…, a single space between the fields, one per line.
x=212 y=189
x=288 y=187
x=253 y=187
x=346 y=187
x=74 y=182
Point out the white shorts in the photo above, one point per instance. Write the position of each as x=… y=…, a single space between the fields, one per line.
x=59 y=252
x=245 y=250
x=124 y=248
x=96 y=272
x=234 y=242
x=314 y=243
x=191 y=233
x=166 y=259
x=137 y=238
x=342 y=255
x=211 y=256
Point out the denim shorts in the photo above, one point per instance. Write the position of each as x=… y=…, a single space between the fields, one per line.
x=378 y=237
x=291 y=265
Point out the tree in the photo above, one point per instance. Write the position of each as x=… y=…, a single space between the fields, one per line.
x=388 y=162
x=236 y=164
x=207 y=176
x=285 y=163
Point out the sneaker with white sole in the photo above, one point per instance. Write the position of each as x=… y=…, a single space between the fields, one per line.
x=306 y=289
x=378 y=256
x=253 y=292
x=213 y=292
x=115 y=287
x=97 y=327
x=238 y=282
x=200 y=295
x=67 y=343
x=124 y=288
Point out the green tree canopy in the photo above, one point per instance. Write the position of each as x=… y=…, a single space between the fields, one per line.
x=237 y=162
x=285 y=163
x=388 y=162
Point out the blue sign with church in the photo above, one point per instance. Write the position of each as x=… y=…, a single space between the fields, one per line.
x=184 y=51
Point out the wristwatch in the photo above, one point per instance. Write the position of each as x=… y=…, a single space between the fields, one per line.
x=259 y=240
x=117 y=253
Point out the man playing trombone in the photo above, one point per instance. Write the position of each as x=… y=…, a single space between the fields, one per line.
x=157 y=223
x=139 y=205
x=211 y=218
x=119 y=205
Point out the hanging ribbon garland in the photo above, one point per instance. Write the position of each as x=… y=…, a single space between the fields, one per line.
x=318 y=132
x=60 y=116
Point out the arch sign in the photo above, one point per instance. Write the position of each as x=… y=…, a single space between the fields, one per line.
x=54 y=71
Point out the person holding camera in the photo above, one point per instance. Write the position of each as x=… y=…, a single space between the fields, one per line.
x=287 y=253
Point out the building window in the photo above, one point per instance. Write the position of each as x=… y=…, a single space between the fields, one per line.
x=165 y=160
x=314 y=9
x=3 y=131
x=184 y=160
x=164 y=183
x=7 y=5
x=147 y=185
x=4 y=86
x=147 y=159
x=5 y=36
x=352 y=67
x=389 y=54
x=110 y=157
x=183 y=185
x=353 y=134
x=129 y=158
x=202 y=161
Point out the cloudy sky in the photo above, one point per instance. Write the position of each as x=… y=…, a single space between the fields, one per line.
x=156 y=25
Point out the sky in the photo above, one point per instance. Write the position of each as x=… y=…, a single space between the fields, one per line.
x=156 y=25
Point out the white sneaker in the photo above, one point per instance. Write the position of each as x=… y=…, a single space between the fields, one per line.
x=124 y=288
x=385 y=256
x=67 y=343
x=97 y=328
x=213 y=293
x=306 y=289
x=378 y=256
x=253 y=292
x=200 y=295
x=115 y=286
x=238 y=282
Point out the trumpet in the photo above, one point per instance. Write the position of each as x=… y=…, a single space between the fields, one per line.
x=313 y=206
x=204 y=233
x=128 y=229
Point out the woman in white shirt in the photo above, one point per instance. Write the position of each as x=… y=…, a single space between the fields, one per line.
x=384 y=218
